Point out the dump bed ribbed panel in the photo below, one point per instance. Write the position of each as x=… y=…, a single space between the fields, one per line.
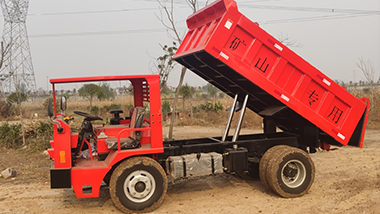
x=231 y=52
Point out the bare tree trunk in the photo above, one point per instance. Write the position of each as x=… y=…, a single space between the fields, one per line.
x=193 y=4
x=183 y=72
x=369 y=72
x=4 y=50
x=22 y=122
x=191 y=109
x=18 y=93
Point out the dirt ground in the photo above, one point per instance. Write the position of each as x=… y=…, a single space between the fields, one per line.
x=347 y=181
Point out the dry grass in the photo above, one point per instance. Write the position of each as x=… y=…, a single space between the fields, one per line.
x=202 y=118
x=374 y=110
x=77 y=104
x=215 y=119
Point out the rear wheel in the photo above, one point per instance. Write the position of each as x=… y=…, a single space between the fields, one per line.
x=138 y=184
x=268 y=155
x=290 y=173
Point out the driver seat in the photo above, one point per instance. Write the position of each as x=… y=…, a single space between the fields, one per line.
x=133 y=141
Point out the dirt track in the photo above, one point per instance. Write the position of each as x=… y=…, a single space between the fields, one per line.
x=347 y=181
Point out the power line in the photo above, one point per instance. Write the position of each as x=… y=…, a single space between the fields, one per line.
x=315 y=18
x=266 y=7
x=155 y=30
x=312 y=9
x=338 y=14
x=95 y=11
x=91 y=12
x=99 y=33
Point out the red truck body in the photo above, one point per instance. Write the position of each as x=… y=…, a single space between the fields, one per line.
x=233 y=53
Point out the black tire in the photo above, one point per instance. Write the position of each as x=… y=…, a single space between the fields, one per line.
x=268 y=155
x=290 y=173
x=138 y=184
x=107 y=178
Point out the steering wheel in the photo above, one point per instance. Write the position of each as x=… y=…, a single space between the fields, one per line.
x=87 y=116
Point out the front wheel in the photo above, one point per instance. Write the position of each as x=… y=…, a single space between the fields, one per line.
x=138 y=184
x=290 y=173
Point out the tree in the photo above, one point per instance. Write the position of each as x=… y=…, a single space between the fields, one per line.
x=287 y=41
x=90 y=91
x=4 y=51
x=212 y=91
x=165 y=64
x=109 y=93
x=366 y=66
x=185 y=92
x=170 y=25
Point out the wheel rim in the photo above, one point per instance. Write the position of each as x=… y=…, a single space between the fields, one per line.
x=139 y=186
x=293 y=173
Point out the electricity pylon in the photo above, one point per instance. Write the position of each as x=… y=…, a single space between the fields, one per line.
x=17 y=72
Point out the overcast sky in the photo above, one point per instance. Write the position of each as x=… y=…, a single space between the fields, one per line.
x=74 y=38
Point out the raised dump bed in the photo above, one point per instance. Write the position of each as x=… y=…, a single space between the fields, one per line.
x=233 y=53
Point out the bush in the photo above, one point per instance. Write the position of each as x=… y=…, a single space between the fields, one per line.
x=130 y=105
x=94 y=110
x=111 y=107
x=38 y=135
x=46 y=103
x=209 y=106
x=44 y=129
x=166 y=107
x=17 y=97
x=7 y=109
x=10 y=135
x=218 y=107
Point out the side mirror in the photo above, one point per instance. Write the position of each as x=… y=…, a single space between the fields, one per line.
x=63 y=103
x=50 y=107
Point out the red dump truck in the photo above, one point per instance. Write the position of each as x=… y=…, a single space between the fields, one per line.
x=302 y=110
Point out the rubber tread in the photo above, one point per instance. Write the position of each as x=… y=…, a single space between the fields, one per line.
x=273 y=172
x=128 y=164
x=264 y=162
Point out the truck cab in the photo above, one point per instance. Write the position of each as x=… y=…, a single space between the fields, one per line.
x=83 y=159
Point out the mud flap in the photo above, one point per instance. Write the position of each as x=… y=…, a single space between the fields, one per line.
x=60 y=178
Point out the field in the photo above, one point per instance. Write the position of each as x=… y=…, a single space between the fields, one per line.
x=347 y=181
